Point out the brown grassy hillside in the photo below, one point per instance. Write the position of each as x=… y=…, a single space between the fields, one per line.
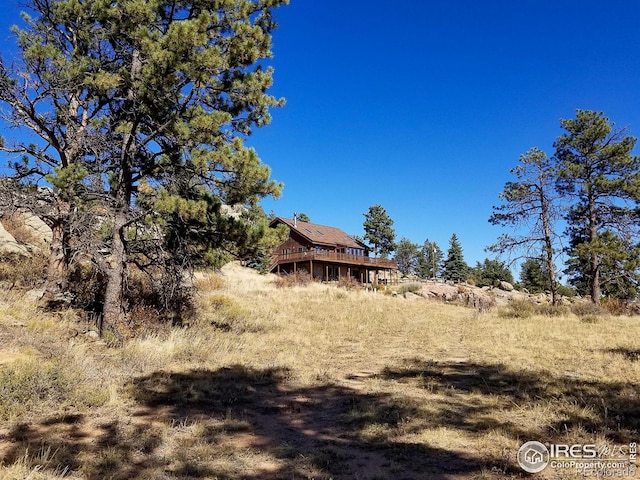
x=310 y=382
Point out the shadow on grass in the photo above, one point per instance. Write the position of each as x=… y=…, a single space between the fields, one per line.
x=596 y=408
x=313 y=432
x=627 y=353
x=245 y=423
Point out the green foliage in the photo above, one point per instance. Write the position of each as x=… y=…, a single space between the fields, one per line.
x=429 y=260
x=187 y=81
x=534 y=275
x=491 y=272
x=530 y=204
x=407 y=256
x=455 y=268
x=378 y=227
x=597 y=170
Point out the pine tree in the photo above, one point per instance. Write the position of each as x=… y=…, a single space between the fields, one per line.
x=530 y=203
x=430 y=260
x=378 y=227
x=406 y=256
x=455 y=268
x=598 y=172
x=168 y=91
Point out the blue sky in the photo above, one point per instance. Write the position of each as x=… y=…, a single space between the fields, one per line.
x=424 y=106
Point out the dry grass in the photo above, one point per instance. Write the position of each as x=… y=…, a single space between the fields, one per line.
x=312 y=381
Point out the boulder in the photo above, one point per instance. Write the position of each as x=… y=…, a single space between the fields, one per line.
x=8 y=244
x=40 y=231
x=506 y=286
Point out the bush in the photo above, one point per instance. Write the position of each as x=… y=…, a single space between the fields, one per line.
x=584 y=309
x=295 y=279
x=518 y=309
x=349 y=283
x=24 y=272
x=617 y=306
x=566 y=291
x=409 y=287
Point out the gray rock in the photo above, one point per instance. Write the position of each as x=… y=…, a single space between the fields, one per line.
x=506 y=286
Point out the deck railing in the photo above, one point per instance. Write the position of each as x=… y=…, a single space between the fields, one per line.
x=331 y=256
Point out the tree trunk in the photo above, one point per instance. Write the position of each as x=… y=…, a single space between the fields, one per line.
x=595 y=258
x=57 y=274
x=548 y=246
x=113 y=310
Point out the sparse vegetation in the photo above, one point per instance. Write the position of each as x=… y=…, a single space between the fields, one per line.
x=312 y=381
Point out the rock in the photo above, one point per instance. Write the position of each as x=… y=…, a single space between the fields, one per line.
x=8 y=244
x=34 y=296
x=92 y=334
x=411 y=296
x=506 y=286
x=39 y=230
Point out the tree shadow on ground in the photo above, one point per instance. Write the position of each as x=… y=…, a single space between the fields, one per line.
x=246 y=423
x=627 y=353
x=312 y=432
x=598 y=408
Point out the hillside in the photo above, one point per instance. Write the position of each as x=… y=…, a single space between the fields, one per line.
x=310 y=381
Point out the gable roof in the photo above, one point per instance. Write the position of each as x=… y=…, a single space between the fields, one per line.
x=320 y=234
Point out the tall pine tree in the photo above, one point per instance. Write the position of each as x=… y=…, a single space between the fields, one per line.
x=455 y=268
x=598 y=172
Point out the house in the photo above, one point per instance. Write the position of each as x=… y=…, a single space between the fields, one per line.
x=328 y=254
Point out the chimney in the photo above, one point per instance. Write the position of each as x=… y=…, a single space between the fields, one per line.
x=295 y=220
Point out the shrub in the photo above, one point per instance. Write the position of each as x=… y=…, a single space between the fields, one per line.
x=349 y=283
x=584 y=309
x=19 y=231
x=566 y=291
x=616 y=306
x=37 y=386
x=551 y=310
x=295 y=279
x=24 y=272
x=518 y=309
x=409 y=287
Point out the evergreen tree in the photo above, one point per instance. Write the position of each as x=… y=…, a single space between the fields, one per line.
x=491 y=272
x=407 y=254
x=619 y=267
x=530 y=203
x=378 y=227
x=534 y=276
x=430 y=260
x=167 y=92
x=598 y=172
x=455 y=268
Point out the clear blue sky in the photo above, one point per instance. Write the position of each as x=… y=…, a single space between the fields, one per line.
x=425 y=106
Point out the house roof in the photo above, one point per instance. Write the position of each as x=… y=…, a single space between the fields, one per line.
x=320 y=234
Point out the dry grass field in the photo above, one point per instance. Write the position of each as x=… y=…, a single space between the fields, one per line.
x=311 y=382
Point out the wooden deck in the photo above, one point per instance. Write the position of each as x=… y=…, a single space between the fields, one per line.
x=333 y=257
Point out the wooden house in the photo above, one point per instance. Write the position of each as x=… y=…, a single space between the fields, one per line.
x=328 y=254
